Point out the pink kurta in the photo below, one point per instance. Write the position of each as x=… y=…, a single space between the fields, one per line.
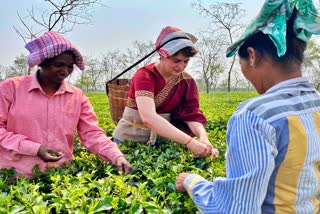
x=29 y=118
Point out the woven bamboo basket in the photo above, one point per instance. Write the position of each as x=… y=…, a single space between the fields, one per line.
x=117 y=91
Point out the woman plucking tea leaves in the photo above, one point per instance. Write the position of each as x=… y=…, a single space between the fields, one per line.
x=163 y=99
x=40 y=113
x=273 y=140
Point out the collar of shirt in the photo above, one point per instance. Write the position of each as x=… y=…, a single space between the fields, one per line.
x=299 y=81
x=65 y=87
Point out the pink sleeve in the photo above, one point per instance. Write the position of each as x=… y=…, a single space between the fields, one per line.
x=93 y=137
x=16 y=143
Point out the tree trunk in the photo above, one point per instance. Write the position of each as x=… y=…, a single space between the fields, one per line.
x=229 y=73
x=229 y=76
x=207 y=86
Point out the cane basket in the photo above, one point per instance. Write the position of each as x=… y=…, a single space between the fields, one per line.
x=117 y=92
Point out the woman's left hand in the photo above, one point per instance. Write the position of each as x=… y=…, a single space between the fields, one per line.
x=179 y=182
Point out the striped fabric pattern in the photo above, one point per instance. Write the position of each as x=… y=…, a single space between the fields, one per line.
x=174 y=46
x=273 y=156
x=50 y=45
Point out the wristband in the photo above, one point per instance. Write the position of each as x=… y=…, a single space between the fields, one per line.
x=189 y=140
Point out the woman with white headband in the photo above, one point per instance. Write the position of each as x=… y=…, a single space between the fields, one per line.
x=163 y=98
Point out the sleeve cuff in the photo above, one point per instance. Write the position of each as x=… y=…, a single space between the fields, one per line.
x=114 y=156
x=111 y=153
x=190 y=181
x=28 y=147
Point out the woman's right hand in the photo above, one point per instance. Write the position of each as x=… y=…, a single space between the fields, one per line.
x=123 y=165
x=199 y=149
x=49 y=155
x=214 y=152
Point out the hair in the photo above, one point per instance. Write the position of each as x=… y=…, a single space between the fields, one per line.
x=45 y=63
x=187 y=52
x=265 y=47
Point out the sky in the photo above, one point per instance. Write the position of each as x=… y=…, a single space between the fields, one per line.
x=115 y=26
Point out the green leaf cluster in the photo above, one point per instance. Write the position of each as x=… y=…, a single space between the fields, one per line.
x=90 y=185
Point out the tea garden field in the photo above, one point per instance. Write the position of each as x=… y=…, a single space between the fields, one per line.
x=89 y=185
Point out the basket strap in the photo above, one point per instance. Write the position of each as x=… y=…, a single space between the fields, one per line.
x=146 y=56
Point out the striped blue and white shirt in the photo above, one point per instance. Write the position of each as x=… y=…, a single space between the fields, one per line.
x=273 y=156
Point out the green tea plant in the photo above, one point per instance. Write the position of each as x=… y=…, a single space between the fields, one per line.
x=90 y=185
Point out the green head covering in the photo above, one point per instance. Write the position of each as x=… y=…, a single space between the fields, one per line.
x=272 y=21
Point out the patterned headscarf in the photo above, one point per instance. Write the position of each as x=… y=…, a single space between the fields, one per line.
x=174 y=46
x=272 y=21
x=49 y=45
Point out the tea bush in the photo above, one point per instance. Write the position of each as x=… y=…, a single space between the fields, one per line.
x=90 y=185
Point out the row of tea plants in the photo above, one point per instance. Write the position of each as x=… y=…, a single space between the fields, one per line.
x=89 y=185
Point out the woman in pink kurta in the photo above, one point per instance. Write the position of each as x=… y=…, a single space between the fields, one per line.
x=39 y=114
x=163 y=98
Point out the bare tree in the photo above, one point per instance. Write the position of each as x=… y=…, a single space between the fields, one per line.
x=238 y=79
x=225 y=17
x=93 y=72
x=209 y=60
x=224 y=84
x=112 y=63
x=19 y=68
x=61 y=16
x=83 y=82
x=4 y=72
x=139 y=50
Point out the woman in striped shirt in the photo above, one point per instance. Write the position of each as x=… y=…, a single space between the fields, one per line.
x=273 y=156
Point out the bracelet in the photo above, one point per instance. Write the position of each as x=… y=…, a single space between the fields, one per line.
x=190 y=139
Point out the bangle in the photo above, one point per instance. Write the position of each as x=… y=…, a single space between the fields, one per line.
x=189 y=140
